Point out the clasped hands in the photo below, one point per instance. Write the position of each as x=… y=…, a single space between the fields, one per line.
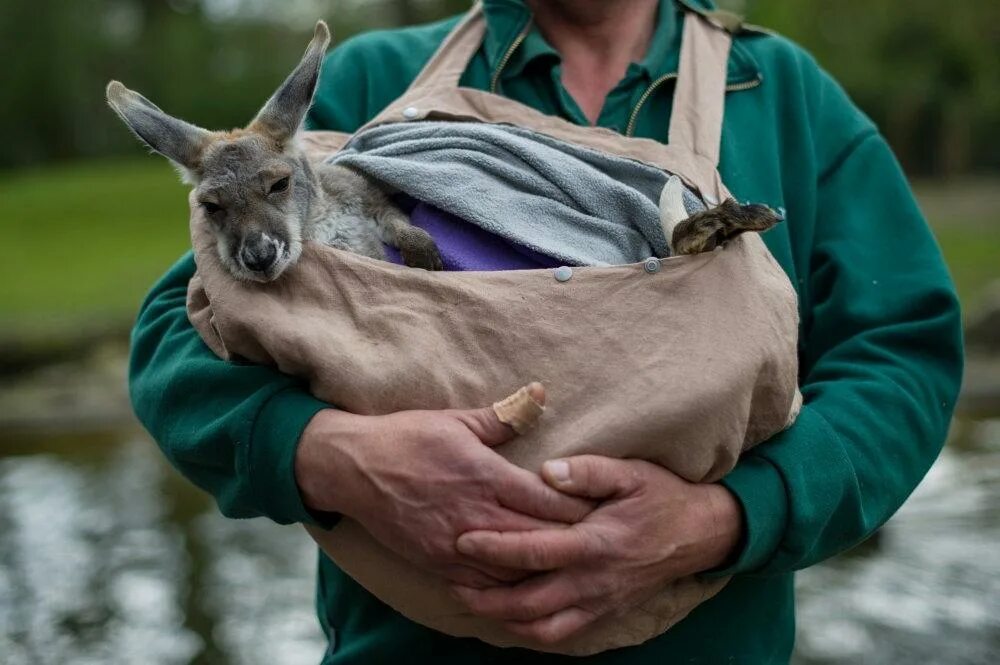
x=546 y=554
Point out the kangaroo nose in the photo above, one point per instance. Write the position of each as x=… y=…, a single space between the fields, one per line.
x=259 y=256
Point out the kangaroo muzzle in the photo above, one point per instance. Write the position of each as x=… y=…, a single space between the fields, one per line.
x=260 y=252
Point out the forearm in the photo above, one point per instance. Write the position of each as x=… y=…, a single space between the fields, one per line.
x=230 y=428
x=882 y=366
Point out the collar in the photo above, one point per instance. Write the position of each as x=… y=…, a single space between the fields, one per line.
x=508 y=21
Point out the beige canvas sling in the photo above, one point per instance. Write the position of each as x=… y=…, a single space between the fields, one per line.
x=685 y=361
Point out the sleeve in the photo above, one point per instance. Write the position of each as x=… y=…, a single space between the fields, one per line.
x=233 y=429
x=230 y=428
x=881 y=365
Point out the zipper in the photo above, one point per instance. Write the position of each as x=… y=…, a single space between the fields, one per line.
x=745 y=85
x=634 y=116
x=630 y=127
x=495 y=81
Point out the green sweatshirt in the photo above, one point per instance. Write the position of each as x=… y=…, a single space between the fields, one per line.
x=880 y=346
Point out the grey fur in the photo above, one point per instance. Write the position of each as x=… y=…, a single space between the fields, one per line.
x=258 y=193
x=178 y=141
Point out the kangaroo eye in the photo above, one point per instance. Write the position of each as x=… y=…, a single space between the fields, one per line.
x=279 y=186
x=210 y=208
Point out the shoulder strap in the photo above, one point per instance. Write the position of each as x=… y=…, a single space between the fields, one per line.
x=700 y=95
x=448 y=63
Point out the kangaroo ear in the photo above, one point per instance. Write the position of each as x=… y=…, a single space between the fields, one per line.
x=284 y=112
x=178 y=141
x=672 y=211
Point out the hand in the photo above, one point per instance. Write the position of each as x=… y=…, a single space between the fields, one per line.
x=653 y=527
x=416 y=480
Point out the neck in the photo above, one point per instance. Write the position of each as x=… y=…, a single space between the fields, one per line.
x=597 y=40
x=317 y=203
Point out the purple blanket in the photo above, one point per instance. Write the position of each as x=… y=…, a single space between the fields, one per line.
x=464 y=246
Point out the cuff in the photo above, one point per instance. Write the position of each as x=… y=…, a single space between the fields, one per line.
x=759 y=485
x=270 y=460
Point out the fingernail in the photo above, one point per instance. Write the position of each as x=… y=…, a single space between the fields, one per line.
x=558 y=470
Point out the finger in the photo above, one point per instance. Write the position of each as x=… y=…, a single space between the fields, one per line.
x=498 y=574
x=523 y=409
x=592 y=476
x=474 y=577
x=524 y=492
x=469 y=577
x=502 y=518
x=555 y=628
x=485 y=424
x=520 y=411
x=542 y=549
x=535 y=598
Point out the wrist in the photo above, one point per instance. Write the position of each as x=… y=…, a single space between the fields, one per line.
x=325 y=469
x=725 y=524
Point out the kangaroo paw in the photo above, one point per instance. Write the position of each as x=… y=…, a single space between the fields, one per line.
x=418 y=250
x=706 y=230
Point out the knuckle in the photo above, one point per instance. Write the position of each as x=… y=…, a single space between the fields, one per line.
x=531 y=607
x=603 y=545
x=547 y=634
x=475 y=603
x=433 y=549
x=482 y=471
x=608 y=589
x=537 y=555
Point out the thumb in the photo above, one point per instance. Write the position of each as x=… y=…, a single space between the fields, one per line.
x=506 y=419
x=591 y=476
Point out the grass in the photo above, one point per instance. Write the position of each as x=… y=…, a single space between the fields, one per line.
x=86 y=241
x=973 y=256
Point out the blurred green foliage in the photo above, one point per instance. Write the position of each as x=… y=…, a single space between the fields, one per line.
x=91 y=238
x=212 y=62
x=927 y=71
x=94 y=221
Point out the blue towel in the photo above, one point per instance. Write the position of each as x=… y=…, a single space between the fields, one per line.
x=578 y=205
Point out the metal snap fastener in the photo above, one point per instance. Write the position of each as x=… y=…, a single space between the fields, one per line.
x=562 y=273
x=411 y=112
x=651 y=265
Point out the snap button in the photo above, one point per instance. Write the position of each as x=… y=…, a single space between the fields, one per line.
x=411 y=112
x=562 y=273
x=651 y=265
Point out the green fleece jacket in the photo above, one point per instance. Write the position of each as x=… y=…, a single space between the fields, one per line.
x=880 y=346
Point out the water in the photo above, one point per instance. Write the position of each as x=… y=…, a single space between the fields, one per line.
x=107 y=556
x=928 y=591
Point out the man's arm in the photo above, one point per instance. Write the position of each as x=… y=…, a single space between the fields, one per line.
x=881 y=369
x=229 y=427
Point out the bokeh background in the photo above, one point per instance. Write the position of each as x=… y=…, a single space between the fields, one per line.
x=108 y=556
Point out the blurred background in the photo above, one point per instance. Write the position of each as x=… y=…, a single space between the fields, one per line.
x=107 y=556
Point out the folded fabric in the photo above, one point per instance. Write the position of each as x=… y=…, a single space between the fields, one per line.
x=573 y=204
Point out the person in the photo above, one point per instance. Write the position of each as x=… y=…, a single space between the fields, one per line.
x=880 y=367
